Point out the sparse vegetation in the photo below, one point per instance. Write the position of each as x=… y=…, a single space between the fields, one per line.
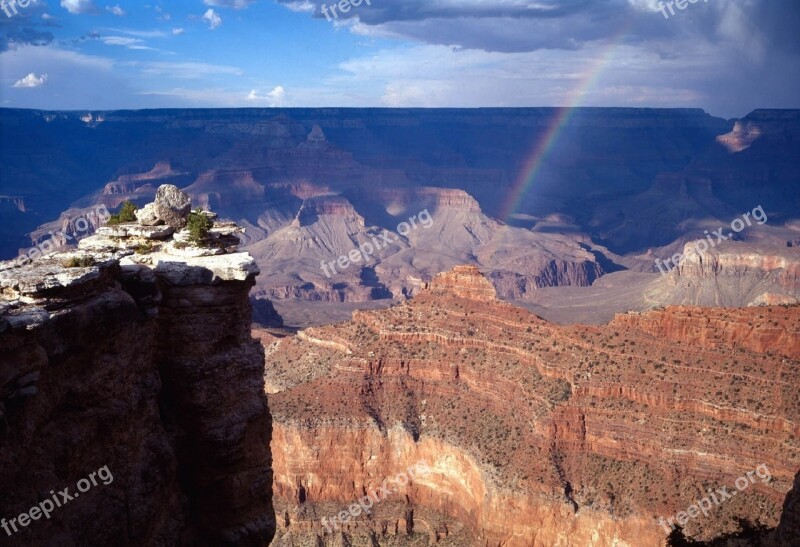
x=199 y=225
x=127 y=213
x=78 y=262
x=144 y=248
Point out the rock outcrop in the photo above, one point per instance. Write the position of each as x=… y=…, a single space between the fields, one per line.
x=734 y=274
x=743 y=135
x=172 y=206
x=142 y=363
x=463 y=282
x=535 y=434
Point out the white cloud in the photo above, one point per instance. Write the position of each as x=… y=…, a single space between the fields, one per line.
x=76 y=7
x=116 y=10
x=187 y=70
x=140 y=33
x=120 y=41
x=177 y=31
x=47 y=17
x=31 y=80
x=276 y=97
x=235 y=4
x=303 y=6
x=98 y=87
x=124 y=41
x=213 y=20
x=644 y=5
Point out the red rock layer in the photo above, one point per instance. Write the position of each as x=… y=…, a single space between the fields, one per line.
x=763 y=330
x=536 y=434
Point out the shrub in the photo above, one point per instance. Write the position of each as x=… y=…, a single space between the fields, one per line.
x=78 y=262
x=127 y=213
x=144 y=249
x=199 y=226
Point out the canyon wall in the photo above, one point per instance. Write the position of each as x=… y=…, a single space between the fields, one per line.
x=148 y=371
x=534 y=434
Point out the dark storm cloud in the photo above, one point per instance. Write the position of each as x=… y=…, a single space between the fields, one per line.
x=523 y=25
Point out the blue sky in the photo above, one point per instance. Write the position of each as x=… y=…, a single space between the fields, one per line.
x=725 y=56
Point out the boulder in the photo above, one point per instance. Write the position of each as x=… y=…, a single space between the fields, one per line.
x=172 y=205
x=146 y=216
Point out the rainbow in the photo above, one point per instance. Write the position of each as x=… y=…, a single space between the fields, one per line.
x=562 y=115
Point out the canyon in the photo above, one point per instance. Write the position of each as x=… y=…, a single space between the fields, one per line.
x=523 y=346
x=535 y=434
x=618 y=189
x=532 y=433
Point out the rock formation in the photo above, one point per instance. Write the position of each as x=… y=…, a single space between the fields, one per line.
x=735 y=274
x=172 y=206
x=536 y=434
x=135 y=354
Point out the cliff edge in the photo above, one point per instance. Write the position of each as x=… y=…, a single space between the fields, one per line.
x=132 y=394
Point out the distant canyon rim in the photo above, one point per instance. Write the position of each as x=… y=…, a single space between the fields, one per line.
x=617 y=190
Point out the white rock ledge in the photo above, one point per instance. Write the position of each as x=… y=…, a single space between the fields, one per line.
x=204 y=269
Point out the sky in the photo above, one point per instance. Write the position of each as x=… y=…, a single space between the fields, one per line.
x=728 y=57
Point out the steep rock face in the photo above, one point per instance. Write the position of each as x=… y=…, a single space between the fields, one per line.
x=535 y=434
x=463 y=282
x=149 y=370
x=713 y=264
x=735 y=274
x=396 y=199
x=766 y=330
x=313 y=208
x=552 y=273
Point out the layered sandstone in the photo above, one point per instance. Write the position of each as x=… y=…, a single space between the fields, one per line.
x=463 y=282
x=535 y=434
x=143 y=363
x=731 y=274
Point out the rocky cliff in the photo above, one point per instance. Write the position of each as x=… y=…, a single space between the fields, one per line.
x=535 y=434
x=733 y=274
x=142 y=364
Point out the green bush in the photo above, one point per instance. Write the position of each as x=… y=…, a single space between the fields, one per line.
x=199 y=226
x=127 y=213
